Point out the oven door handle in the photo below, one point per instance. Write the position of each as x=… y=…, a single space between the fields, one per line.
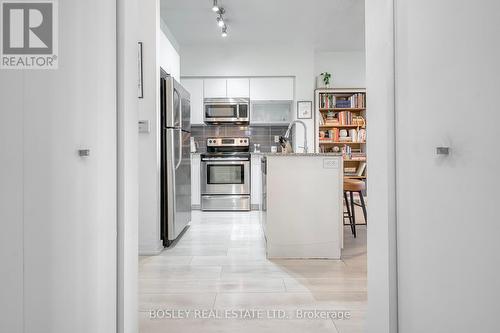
x=225 y=160
x=231 y=162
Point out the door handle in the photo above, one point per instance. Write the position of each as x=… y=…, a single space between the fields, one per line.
x=443 y=150
x=180 y=150
x=83 y=152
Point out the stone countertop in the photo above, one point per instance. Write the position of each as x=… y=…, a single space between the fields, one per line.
x=302 y=154
x=285 y=155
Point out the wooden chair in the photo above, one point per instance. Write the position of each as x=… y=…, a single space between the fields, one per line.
x=354 y=186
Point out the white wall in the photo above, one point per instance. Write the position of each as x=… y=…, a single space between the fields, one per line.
x=155 y=53
x=11 y=201
x=170 y=60
x=447 y=79
x=347 y=68
x=58 y=210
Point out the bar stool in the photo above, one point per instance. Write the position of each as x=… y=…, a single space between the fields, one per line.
x=354 y=186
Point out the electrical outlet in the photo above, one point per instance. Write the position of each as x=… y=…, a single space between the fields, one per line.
x=276 y=138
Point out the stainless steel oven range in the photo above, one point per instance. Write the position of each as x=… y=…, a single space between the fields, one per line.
x=225 y=175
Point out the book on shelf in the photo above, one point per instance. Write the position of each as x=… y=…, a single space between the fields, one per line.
x=358 y=156
x=321 y=119
x=351 y=170
x=329 y=135
x=355 y=101
x=327 y=101
x=345 y=118
x=361 y=169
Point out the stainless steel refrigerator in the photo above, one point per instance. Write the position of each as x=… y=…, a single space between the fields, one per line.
x=175 y=158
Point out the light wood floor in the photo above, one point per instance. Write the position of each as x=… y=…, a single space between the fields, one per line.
x=220 y=264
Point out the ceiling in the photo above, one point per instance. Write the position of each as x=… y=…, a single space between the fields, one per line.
x=329 y=25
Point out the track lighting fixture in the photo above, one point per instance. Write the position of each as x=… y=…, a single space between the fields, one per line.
x=220 y=18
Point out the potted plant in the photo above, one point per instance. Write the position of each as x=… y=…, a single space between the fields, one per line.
x=326 y=79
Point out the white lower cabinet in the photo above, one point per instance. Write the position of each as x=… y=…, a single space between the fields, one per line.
x=195 y=181
x=256 y=182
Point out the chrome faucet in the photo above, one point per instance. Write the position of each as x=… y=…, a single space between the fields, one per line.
x=287 y=134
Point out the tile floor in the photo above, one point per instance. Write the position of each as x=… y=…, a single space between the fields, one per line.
x=219 y=264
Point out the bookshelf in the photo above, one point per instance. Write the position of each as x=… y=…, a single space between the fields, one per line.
x=340 y=126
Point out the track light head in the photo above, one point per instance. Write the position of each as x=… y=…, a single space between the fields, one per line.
x=220 y=21
x=215 y=7
x=224 y=31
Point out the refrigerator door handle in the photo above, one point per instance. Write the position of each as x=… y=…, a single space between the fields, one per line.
x=180 y=109
x=180 y=150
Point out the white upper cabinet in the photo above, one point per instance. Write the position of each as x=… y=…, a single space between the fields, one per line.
x=215 y=88
x=271 y=96
x=238 y=87
x=271 y=89
x=195 y=88
x=271 y=112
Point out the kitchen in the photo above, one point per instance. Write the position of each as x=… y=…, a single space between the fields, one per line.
x=98 y=167
x=266 y=196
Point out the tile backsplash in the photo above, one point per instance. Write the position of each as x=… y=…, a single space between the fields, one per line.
x=263 y=135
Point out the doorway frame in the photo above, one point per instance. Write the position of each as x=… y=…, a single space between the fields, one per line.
x=382 y=310
x=380 y=48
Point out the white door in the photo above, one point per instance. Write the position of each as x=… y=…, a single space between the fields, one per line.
x=60 y=234
x=214 y=88
x=272 y=89
x=195 y=88
x=238 y=87
x=448 y=78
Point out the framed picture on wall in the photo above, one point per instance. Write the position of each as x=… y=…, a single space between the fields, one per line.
x=304 y=109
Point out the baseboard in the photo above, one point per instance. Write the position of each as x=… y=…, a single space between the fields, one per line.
x=151 y=248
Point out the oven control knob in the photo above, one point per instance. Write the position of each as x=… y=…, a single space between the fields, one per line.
x=241 y=141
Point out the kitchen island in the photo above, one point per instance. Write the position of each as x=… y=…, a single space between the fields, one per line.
x=302 y=210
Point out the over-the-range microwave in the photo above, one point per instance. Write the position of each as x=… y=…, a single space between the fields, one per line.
x=226 y=110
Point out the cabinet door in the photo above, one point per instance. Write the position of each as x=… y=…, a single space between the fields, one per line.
x=214 y=88
x=195 y=181
x=195 y=88
x=238 y=87
x=271 y=112
x=271 y=89
x=256 y=183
